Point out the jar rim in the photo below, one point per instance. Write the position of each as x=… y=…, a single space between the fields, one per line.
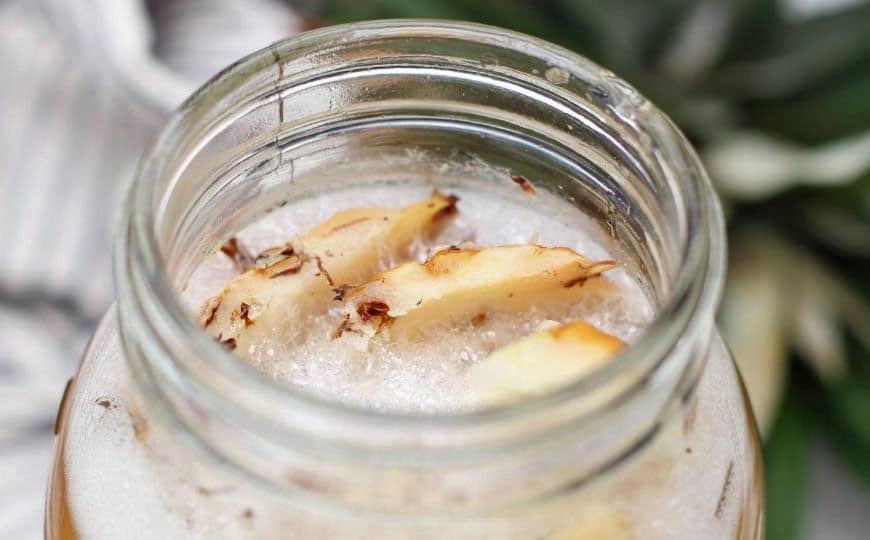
x=147 y=297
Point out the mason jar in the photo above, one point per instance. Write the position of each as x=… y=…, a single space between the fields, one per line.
x=165 y=434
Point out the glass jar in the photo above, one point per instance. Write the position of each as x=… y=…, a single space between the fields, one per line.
x=164 y=434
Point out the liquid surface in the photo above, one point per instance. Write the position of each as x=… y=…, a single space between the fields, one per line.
x=426 y=375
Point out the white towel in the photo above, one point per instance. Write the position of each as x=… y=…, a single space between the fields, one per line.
x=85 y=86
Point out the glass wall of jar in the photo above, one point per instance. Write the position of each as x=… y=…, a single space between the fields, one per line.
x=165 y=434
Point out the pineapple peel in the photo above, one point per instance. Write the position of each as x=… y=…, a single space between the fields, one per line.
x=541 y=362
x=457 y=284
x=288 y=280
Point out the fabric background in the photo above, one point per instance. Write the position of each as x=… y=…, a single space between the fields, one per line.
x=85 y=86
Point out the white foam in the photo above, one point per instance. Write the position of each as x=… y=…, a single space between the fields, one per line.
x=426 y=375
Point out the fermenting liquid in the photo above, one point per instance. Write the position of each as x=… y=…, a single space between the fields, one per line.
x=119 y=476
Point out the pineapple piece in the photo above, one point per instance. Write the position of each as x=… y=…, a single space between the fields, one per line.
x=289 y=281
x=461 y=284
x=542 y=361
x=599 y=524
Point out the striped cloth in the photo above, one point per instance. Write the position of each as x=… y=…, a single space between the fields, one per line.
x=86 y=84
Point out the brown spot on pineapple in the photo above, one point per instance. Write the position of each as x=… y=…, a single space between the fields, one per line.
x=291 y=264
x=444 y=261
x=576 y=281
x=244 y=311
x=448 y=211
x=229 y=343
x=341 y=291
x=347 y=224
x=525 y=184
x=345 y=326
x=478 y=319
x=373 y=310
x=238 y=254
x=209 y=311
x=591 y=272
x=323 y=271
x=273 y=255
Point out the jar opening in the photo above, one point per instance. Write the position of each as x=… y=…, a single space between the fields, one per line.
x=334 y=101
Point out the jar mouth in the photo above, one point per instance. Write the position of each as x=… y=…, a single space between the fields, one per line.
x=156 y=326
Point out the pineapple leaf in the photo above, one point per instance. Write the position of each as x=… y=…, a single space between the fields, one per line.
x=787 y=458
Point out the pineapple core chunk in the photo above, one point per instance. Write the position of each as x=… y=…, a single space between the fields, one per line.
x=456 y=285
x=289 y=281
x=542 y=361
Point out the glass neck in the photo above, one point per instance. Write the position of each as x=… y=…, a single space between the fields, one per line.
x=403 y=101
